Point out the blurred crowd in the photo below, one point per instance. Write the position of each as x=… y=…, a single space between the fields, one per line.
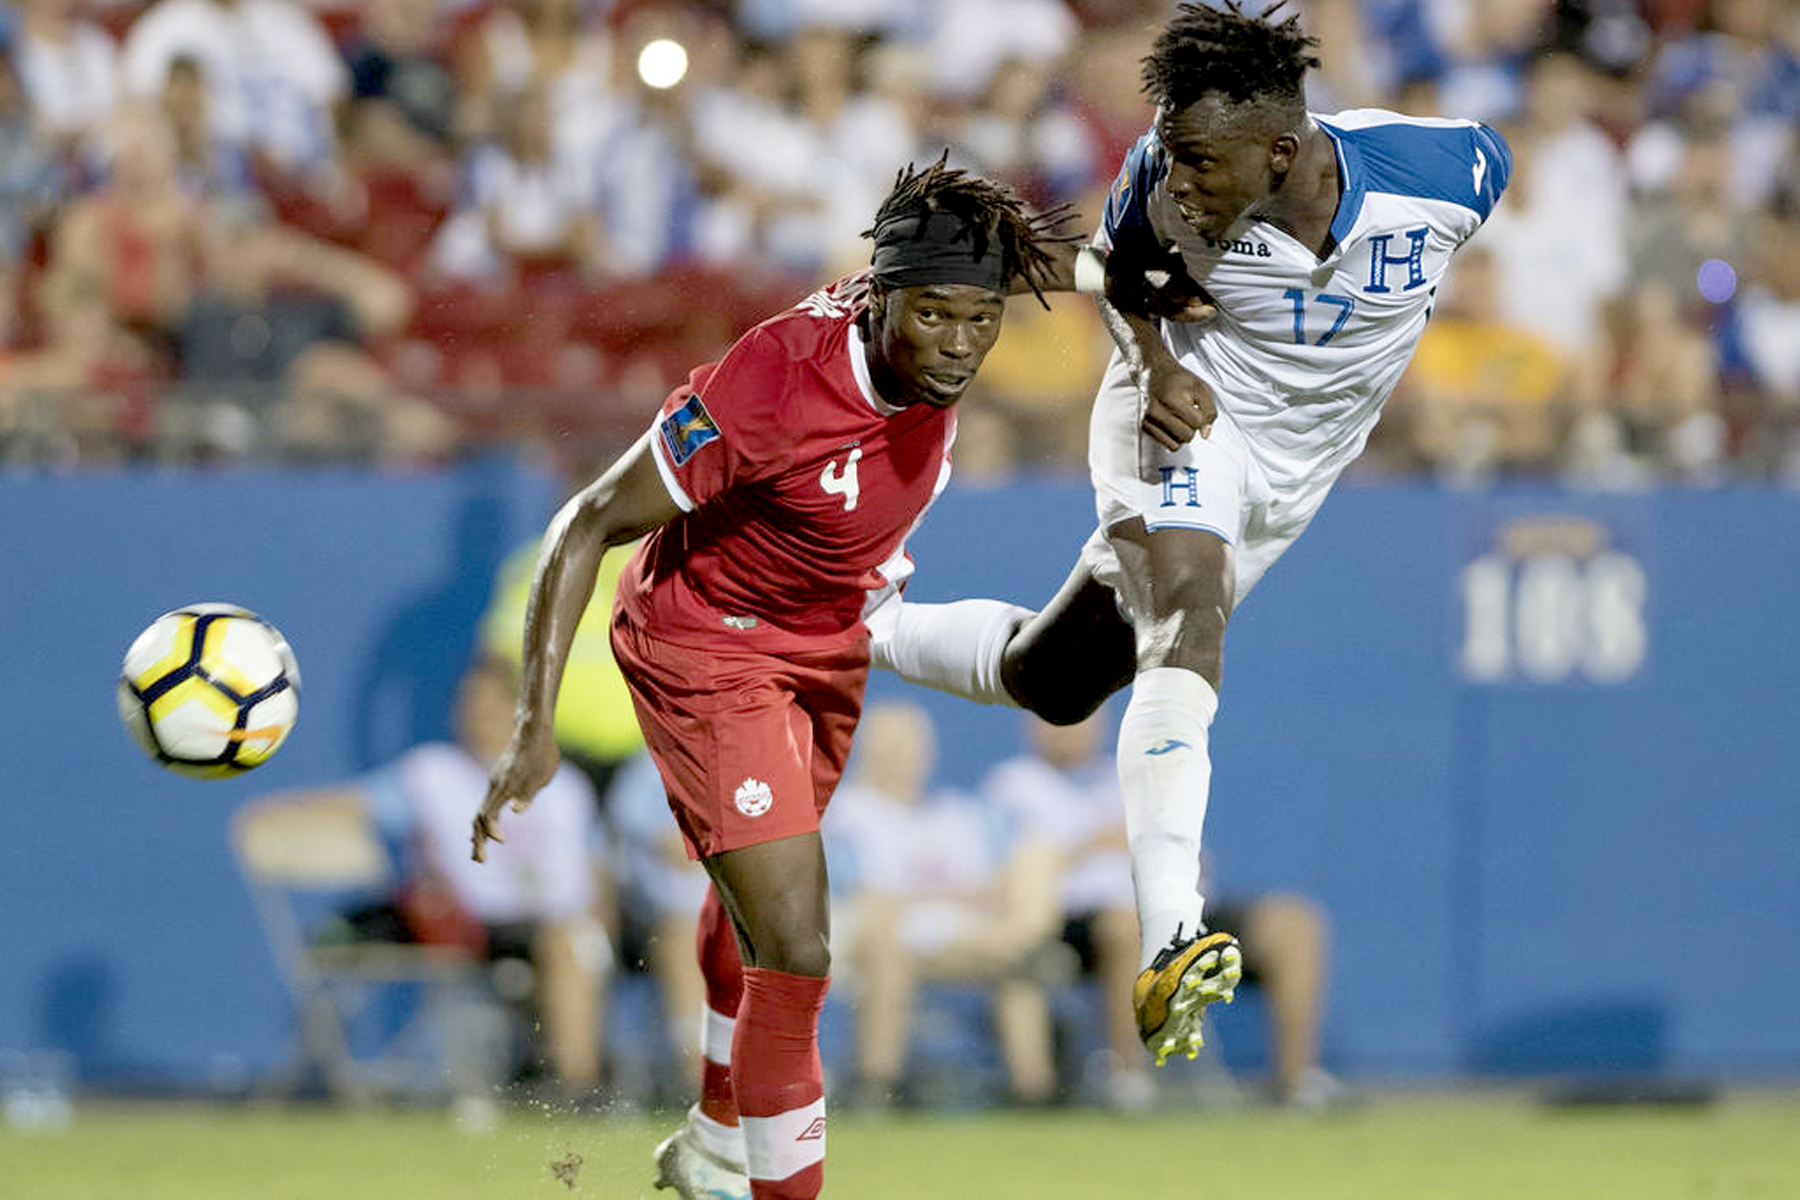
x=985 y=938
x=396 y=230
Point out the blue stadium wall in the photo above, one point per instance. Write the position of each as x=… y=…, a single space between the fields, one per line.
x=1534 y=751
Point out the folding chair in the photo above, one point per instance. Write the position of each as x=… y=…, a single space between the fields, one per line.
x=453 y=1040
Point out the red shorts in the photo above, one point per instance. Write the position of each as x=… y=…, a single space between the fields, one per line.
x=750 y=746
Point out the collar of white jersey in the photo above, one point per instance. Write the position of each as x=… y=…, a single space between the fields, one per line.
x=859 y=367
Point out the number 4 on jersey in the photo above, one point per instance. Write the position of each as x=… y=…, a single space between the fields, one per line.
x=842 y=483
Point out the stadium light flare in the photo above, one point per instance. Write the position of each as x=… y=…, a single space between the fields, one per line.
x=662 y=63
x=1716 y=280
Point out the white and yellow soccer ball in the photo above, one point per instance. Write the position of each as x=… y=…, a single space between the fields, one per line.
x=209 y=690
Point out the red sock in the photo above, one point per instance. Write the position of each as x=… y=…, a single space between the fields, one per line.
x=779 y=1084
x=717 y=946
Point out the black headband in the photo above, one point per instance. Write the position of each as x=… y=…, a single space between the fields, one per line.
x=920 y=248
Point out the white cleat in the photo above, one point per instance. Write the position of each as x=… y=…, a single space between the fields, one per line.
x=696 y=1173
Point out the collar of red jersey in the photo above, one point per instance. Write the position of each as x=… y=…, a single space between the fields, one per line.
x=859 y=367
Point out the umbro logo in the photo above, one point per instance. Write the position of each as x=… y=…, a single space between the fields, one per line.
x=813 y=1132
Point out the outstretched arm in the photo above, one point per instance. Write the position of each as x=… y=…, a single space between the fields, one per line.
x=1139 y=294
x=1137 y=290
x=1177 y=404
x=626 y=502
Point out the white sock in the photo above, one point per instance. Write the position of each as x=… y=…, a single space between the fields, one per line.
x=723 y=1142
x=954 y=648
x=1165 y=772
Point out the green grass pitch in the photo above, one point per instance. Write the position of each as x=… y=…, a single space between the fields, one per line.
x=1417 y=1148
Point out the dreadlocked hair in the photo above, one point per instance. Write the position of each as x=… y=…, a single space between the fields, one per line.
x=1223 y=50
x=988 y=210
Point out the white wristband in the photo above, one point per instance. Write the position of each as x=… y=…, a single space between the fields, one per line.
x=1090 y=270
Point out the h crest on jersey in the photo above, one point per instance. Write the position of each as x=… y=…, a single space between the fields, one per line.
x=687 y=429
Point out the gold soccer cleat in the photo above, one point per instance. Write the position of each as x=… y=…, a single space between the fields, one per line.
x=1173 y=991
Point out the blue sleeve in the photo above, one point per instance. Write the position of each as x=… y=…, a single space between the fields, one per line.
x=1127 y=221
x=1461 y=163
x=1490 y=149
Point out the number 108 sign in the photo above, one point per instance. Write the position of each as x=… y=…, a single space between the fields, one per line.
x=1552 y=598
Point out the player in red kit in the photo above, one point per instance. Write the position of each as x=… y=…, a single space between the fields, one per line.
x=776 y=488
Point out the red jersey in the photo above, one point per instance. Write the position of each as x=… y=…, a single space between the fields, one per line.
x=797 y=484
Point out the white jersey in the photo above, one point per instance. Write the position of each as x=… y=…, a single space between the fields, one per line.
x=1303 y=351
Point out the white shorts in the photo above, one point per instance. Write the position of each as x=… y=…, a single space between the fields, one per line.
x=1215 y=483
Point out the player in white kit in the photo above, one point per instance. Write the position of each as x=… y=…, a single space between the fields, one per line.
x=1285 y=263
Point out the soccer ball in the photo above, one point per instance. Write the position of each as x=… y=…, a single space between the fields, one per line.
x=209 y=690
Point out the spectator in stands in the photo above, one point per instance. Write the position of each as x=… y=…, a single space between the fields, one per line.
x=1767 y=327
x=68 y=65
x=285 y=324
x=1063 y=789
x=1668 y=387
x=31 y=182
x=1487 y=49
x=98 y=319
x=528 y=208
x=538 y=900
x=970 y=45
x=934 y=886
x=725 y=172
x=1684 y=209
x=856 y=141
x=660 y=892
x=134 y=249
x=1750 y=49
x=1355 y=56
x=1115 y=115
x=1029 y=129
x=560 y=47
x=1559 y=240
x=208 y=167
x=403 y=93
x=1483 y=394
x=779 y=20
x=276 y=77
x=752 y=151
x=1021 y=130
x=639 y=149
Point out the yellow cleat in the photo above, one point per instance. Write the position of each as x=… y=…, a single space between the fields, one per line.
x=1172 y=993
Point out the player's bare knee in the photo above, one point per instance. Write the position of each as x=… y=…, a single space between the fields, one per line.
x=798 y=954
x=1190 y=638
